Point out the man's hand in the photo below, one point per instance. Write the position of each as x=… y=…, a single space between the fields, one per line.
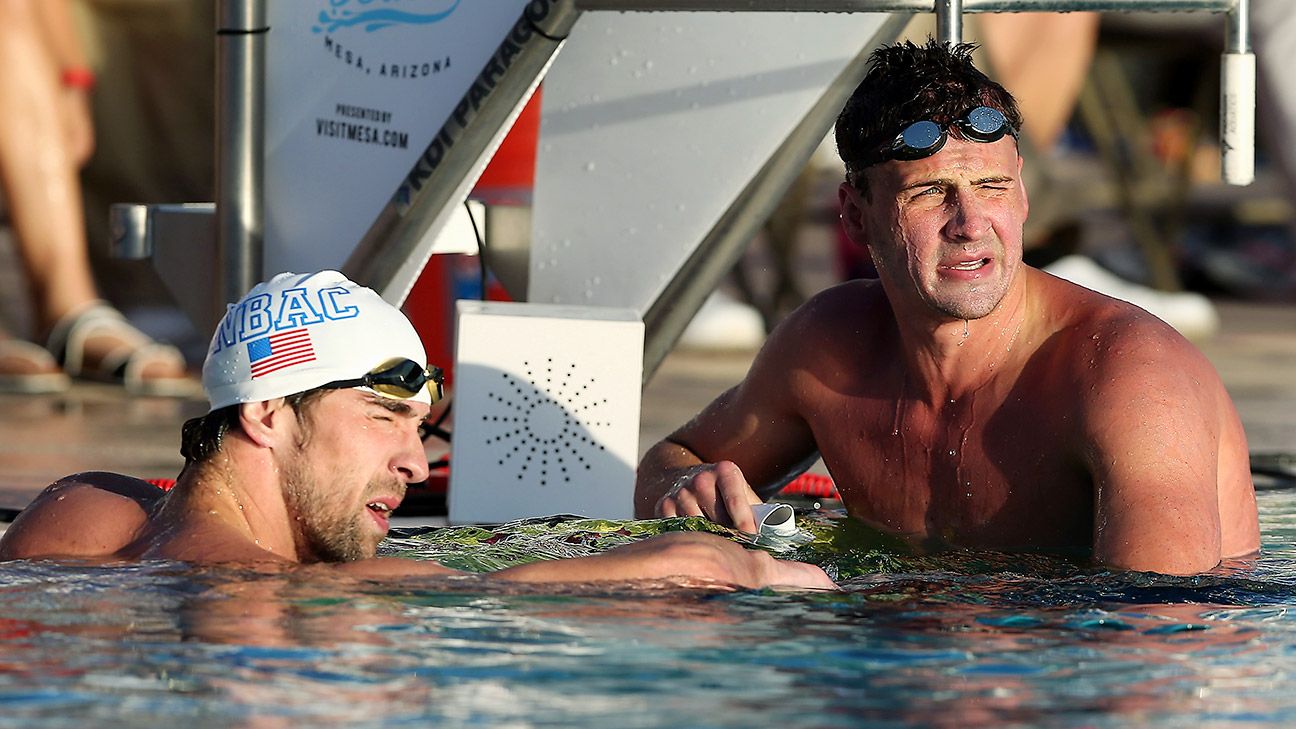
x=717 y=491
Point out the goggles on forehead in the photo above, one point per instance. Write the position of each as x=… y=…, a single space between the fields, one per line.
x=925 y=137
x=398 y=378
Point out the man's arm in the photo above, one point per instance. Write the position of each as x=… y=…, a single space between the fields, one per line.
x=686 y=556
x=752 y=434
x=86 y=515
x=1152 y=429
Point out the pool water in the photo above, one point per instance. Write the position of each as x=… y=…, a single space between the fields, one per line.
x=964 y=640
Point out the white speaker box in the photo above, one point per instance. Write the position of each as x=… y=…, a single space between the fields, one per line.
x=546 y=411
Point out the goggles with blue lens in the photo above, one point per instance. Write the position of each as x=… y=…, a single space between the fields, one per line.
x=925 y=137
x=398 y=378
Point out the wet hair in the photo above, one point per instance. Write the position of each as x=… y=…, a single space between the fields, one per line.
x=202 y=437
x=906 y=83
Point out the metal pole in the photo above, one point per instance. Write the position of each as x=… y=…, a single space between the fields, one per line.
x=1237 y=98
x=949 y=21
x=1237 y=33
x=240 y=131
x=910 y=6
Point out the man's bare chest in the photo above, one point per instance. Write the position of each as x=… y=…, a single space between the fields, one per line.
x=993 y=474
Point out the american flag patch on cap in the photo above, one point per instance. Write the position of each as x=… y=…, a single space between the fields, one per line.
x=278 y=351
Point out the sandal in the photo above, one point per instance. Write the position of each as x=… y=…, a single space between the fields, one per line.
x=27 y=369
x=126 y=361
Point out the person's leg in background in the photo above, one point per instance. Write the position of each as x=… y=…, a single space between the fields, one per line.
x=45 y=135
x=1042 y=58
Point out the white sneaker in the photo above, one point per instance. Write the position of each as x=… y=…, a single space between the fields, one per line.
x=1187 y=311
x=722 y=324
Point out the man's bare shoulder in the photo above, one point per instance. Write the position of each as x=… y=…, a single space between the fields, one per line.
x=834 y=337
x=93 y=514
x=1107 y=331
x=837 y=317
x=1114 y=353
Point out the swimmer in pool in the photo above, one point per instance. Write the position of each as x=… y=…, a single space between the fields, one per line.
x=964 y=398
x=318 y=389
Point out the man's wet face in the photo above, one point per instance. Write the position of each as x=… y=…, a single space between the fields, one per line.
x=337 y=476
x=946 y=230
x=325 y=511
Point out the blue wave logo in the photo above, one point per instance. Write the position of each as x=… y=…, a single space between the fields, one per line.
x=346 y=14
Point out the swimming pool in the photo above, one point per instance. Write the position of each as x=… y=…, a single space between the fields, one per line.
x=970 y=640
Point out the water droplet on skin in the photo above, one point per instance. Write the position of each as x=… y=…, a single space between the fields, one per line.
x=953 y=452
x=61 y=498
x=1094 y=337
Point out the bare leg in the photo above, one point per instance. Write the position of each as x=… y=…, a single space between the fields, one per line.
x=1042 y=59
x=37 y=169
x=40 y=150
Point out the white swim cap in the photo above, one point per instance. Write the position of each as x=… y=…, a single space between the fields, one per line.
x=299 y=331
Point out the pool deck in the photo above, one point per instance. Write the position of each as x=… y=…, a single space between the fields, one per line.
x=99 y=427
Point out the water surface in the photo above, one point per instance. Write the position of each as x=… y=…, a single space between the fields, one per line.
x=964 y=640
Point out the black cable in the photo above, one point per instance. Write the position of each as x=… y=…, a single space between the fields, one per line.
x=434 y=429
x=536 y=29
x=427 y=430
x=481 y=250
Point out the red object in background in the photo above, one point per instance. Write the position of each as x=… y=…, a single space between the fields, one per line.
x=812 y=486
x=507 y=179
x=512 y=169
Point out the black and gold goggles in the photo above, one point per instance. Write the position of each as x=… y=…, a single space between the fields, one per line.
x=398 y=378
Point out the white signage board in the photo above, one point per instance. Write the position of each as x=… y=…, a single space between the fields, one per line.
x=355 y=92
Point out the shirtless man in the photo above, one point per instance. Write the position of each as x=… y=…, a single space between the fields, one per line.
x=964 y=398
x=317 y=392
